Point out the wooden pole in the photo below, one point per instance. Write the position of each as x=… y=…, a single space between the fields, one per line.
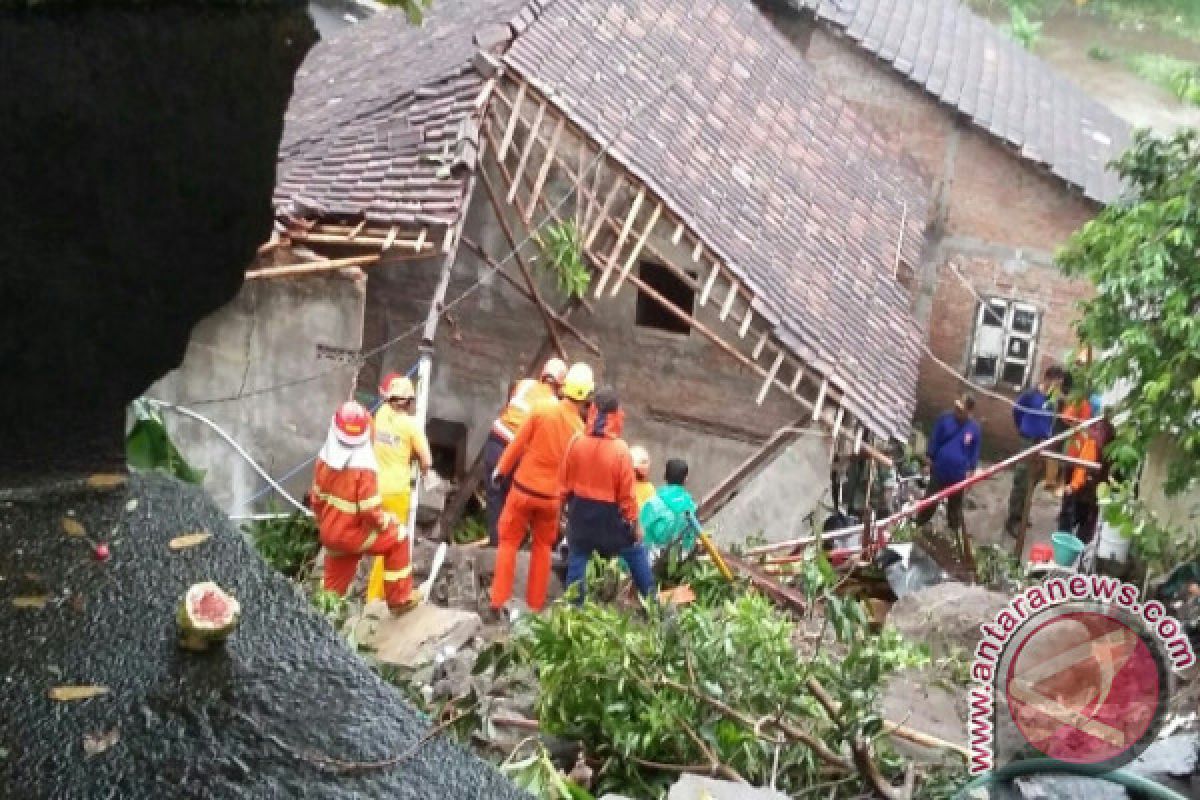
x=311 y=268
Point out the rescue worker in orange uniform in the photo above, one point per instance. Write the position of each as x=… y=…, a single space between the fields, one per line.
x=643 y=489
x=598 y=488
x=526 y=396
x=398 y=440
x=349 y=509
x=1079 y=494
x=533 y=459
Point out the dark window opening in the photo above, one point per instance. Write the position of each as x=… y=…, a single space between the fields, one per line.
x=448 y=447
x=1014 y=373
x=650 y=314
x=985 y=367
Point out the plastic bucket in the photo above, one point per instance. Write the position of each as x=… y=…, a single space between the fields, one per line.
x=1041 y=553
x=1067 y=548
x=1112 y=545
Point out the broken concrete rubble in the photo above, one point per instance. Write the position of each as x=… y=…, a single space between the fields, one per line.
x=415 y=639
x=946 y=616
x=695 y=787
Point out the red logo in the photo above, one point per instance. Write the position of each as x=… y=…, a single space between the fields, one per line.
x=1085 y=687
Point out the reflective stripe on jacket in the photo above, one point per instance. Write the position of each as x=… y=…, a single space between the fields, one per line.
x=528 y=396
x=348 y=507
x=539 y=446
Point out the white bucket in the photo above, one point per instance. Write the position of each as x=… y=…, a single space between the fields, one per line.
x=1111 y=544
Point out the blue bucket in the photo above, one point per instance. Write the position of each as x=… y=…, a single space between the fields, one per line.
x=1067 y=548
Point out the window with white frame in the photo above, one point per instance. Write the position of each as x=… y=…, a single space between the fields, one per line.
x=1005 y=341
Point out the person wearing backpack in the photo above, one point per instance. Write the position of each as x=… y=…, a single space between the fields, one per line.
x=952 y=455
x=670 y=516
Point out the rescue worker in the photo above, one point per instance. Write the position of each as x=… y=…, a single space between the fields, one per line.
x=525 y=396
x=532 y=460
x=643 y=489
x=1033 y=417
x=398 y=440
x=1078 y=511
x=952 y=454
x=349 y=510
x=598 y=490
x=669 y=518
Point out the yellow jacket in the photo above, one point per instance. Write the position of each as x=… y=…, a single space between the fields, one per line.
x=398 y=439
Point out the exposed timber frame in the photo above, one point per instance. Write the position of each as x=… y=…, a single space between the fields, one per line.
x=525 y=132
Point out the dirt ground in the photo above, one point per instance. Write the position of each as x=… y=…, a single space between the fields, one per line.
x=987 y=508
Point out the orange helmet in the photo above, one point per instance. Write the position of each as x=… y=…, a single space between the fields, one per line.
x=352 y=424
x=397 y=387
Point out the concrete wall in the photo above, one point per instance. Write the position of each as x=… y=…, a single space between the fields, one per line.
x=996 y=217
x=268 y=335
x=1180 y=511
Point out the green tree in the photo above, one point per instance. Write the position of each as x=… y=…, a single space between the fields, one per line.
x=1144 y=321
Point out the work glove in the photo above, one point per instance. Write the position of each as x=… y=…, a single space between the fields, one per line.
x=432 y=482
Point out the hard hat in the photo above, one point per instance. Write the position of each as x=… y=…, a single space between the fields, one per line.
x=555 y=370
x=352 y=424
x=579 y=382
x=641 y=458
x=397 y=386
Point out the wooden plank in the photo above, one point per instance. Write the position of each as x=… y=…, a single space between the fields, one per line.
x=448 y=239
x=310 y=268
x=620 y=243
x=745 y=328
x=357 y=229
x=544 y=172
x=708 y=285
x=513 y=115
x=837 y=422
x=697 y=251
x=858 y=440
x=524 y=160
x=603 y=214
x=390 y=239
x=637 y=248
x=770 y=379
x=799 y=376
x=420 y=242
x=362 y=241
x=729 y=298
x=816 y=409
x=678 y=234
x=762 y=342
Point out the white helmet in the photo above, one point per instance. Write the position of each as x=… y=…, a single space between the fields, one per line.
x=555 y=370
x=641 y=459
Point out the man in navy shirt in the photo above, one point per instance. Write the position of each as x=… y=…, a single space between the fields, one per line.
x=1033 y=417
x=953 y=454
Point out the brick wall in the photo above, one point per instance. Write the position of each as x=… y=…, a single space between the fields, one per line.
x=996 y=216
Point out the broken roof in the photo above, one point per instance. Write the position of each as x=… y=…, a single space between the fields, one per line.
x=967 y=63
x=385 y=116
x=708 y=105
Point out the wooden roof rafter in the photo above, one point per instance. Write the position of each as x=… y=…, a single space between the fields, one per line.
x=781 y=370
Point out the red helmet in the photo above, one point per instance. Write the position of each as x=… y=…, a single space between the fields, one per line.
x=352 y=424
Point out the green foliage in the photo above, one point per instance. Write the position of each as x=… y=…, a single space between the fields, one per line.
x=562 y=255
x=332 y=605
x=413 y=9
x=148 y=446
x=1179 y=77
x=997 y=568
x=289 y=544
x=472 y=529
x=1023 y=28
x=537 y=775
x=684 y=685
x=1144 y=322
x=1157 y=548
x=1098 y=52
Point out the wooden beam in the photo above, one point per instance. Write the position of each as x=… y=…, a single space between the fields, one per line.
x=511 y=128
x=357 y=229
x=529 y=143
x=630 y=218
x=719 y=494
x=498 y=210
x=420 y=242
x=745 y=327
x=762 y=342
x=544 y=172
x=310 y=268
x=708 y=284
x=617 y=185
x=637 y=248
x=799 y=376
x=816 y=410
x=390 y=239
x=678 y=234
x=362 y=241
x=729 y=299
x=837 y=422
x=762 y=393
x=697 y=251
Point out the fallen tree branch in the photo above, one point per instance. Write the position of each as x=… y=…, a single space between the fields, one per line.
x=860 y=748
x=340 y=765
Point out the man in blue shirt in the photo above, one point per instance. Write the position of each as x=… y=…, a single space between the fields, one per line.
x=953 y=454
x=1033 y=417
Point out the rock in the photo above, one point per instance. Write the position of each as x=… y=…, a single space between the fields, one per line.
x=416 y=638
x=947 y=616
x=145 y=169
x=1067 y=787
x=694 y=787
x=1175 y=756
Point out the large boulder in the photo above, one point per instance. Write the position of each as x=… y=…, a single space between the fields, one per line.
x=137 y=159
x=947 y=616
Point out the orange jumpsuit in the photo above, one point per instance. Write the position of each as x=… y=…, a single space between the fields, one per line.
x=352 y=523
x=534 y=502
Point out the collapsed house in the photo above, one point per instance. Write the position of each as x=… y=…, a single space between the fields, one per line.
x=744 y=229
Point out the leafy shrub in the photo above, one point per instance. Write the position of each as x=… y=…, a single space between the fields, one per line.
x=1180 y=78
x=562 y=255
x=289 y=544
x=148 y=446
x=473 y=528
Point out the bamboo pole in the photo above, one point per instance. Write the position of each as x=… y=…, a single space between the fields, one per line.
x=311 y=268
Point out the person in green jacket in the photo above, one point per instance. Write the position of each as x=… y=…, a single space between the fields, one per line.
x=670 y=516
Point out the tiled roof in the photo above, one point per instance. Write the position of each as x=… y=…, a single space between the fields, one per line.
x=712 y=108
x=970 y=65
x=383 y=113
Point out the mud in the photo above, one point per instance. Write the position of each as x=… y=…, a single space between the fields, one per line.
x=241 y=722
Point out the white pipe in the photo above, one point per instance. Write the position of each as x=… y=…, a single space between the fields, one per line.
x=187 y=412
x=424 y=372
